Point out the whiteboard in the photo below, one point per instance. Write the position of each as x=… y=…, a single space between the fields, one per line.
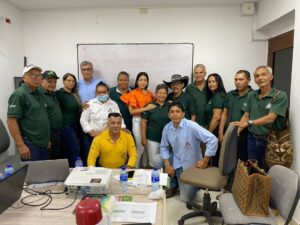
x=159 y=61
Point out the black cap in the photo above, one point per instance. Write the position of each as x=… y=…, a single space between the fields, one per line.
x=49 y=74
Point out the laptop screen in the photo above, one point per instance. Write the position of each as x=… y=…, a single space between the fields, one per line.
x=47 y=171
x=11 y=188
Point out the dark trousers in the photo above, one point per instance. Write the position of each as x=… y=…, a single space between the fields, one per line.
x=257 y=147
x=215 y=159
x=71 y=142
x=36 y=152
x=56 y=145
x=242 y=148
x=86 y=142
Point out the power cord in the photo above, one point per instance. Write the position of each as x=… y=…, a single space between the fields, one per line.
x=48 y=194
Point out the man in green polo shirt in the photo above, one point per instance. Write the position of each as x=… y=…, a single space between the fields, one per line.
x=262 y=110
x=177 y=84
x=198 y=93
x=116 y=92
x=27 y=117
x=233 y=110
x=54 y=112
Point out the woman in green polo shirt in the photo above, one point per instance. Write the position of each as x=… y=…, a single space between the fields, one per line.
x=216 y=95
x=71 y=107
x=153 y=123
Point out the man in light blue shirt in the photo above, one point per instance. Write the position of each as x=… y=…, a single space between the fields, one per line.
x=180 y=148
x=87 y=85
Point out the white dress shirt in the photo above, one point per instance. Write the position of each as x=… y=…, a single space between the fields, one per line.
x=95 y=117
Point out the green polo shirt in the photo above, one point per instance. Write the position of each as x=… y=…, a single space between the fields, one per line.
x=199 y=101
x=69 y=106
x=53 y=109
x=29 y=107
x=156 y=120
x=115 y=96
x=257 y=108
x=187 y=103
x=233 y=103
x=216 y=102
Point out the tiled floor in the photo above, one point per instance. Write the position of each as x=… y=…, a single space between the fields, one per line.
x=176 y=209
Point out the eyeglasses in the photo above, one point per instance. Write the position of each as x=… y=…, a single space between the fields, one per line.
x=34 y=76
x=86 y=69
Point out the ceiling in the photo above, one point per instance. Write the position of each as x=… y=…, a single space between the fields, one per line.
x=44 y=5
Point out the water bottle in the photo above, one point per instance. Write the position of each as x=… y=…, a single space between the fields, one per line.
x=78 y=162
x=123 y=179
x=155 y=179
x=1 y=176
x=9 y=170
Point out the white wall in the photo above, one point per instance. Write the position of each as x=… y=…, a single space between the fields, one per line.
x=11 y=54
x=269 y=11
x=221 y=36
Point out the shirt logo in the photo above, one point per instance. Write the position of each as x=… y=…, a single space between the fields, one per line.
x=12 y=106
x=269 y=106
x=245 y=104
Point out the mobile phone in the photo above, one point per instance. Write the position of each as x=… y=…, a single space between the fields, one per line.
x=130 y=173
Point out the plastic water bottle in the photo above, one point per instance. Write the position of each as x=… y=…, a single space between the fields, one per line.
x=1 y=176
x=155 y=179
x=78 y=162
x=9 y=170
x=123 y=179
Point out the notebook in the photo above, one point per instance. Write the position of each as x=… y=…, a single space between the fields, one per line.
x=11 y=188
x=45 y=171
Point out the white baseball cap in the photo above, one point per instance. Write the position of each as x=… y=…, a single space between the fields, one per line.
x=30 y=67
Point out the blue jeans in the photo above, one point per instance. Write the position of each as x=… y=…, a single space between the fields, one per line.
x=72 y=143
x=257 y=147
x=36 y=152
x=187 y=192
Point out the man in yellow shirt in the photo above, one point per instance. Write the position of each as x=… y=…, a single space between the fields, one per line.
x=114 y=147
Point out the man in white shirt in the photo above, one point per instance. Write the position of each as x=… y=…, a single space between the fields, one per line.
x=93 y=119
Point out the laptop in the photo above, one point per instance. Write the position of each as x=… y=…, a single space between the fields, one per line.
x=11 y=188
x=45 y=171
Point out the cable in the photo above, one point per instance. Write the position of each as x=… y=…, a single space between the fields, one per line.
x=47 y=202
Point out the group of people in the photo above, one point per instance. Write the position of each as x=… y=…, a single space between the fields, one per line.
x=117 y=126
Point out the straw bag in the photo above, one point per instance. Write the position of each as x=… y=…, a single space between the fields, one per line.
x=251 y=189
x=279 y=150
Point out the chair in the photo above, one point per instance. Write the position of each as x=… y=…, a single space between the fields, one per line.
x=5 y=157
x=212 y=178
x=5 y=141
x=284 y=196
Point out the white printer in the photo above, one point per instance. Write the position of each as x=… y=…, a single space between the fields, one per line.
x=89 y=180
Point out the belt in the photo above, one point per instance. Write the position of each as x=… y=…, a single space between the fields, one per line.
x=259 y=135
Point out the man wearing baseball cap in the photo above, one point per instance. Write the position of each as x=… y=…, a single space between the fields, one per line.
x=27 y=117
x=54 y=112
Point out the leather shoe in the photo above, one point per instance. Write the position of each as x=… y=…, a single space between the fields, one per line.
x=170 y=192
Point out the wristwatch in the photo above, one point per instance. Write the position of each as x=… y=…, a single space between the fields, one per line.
x=250 y=122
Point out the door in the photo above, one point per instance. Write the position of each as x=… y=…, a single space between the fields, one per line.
x=280 y=58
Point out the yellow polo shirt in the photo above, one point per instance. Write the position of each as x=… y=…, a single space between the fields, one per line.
x=113 y=155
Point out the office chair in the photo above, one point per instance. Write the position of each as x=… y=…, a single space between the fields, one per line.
x=5 y=141
x=5 y=157
x=284 y=196
x=212 y=178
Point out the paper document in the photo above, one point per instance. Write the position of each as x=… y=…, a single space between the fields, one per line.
x=135 y=212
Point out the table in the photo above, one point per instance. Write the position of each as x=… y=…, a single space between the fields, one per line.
x=28 y=215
